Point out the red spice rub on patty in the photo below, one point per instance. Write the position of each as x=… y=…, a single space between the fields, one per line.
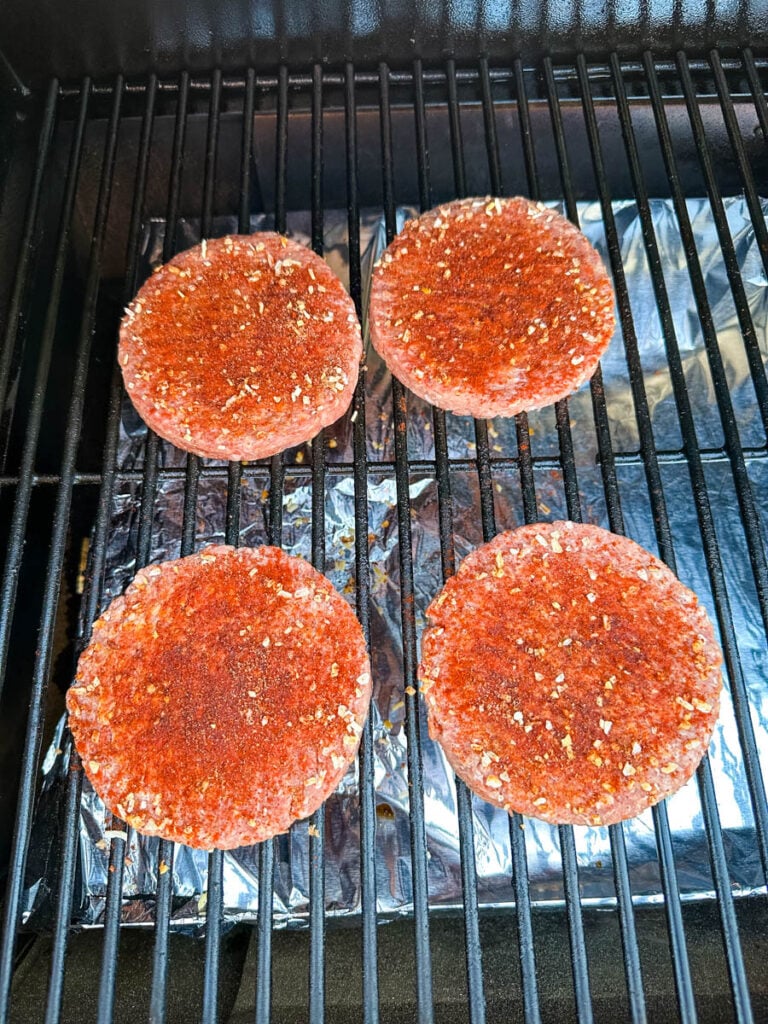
x=569 y=675
x=490 y=307
x=241 y=347
x=221 y=697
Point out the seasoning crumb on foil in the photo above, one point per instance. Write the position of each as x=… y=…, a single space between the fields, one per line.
x=491 y=825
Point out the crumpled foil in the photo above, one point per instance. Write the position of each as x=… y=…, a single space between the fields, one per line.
x=394 y=876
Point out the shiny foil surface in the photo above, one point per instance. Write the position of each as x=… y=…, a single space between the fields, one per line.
x=394 y=874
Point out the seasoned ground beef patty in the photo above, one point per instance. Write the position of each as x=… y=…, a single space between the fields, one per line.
x=570 y=675
x=221 y=697
x=241 y=347
x=490 y=307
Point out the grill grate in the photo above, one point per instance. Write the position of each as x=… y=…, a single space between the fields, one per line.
x=68 y=116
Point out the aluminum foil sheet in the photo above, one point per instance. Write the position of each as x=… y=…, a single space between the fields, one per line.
x=491 y=826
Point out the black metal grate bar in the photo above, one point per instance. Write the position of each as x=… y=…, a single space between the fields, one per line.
x=627 y=925
x=619 y=851
x=13 y=562
x=174 y=184
x=526 y=132
x=27 y=249
x=733 y=949
x=317 y=832
x=454 y=119
x=213 y=911
x=729 y=923
x=264 y=932
x=255 y=471
x=214 y=906
x=161 y=952
x=143 y=556
x=281 y=148
x=111 y=946
x=489 y=123
x=568 y=849
x=422 y=151
x=678 y=946
x=61 y=519
x=61 y=514
x=66 y=881
x=408 y=618
x=363 y=576
x=475 y=984
x=737 y=144
x=149 y=482
x=565 y=73
x=681 y=964
x=209 y=161
x=579 y=961
x=15 y=544
x=92 y=600
x=532 y=1009
x=473 y=951
x=610 y=486
x=761 y=106
x=658 y=506
x=698 y=481
x=752 y=348
x=64 y=495
x=730 y=926
x=244 y=206
x=275 y=531
x=654 y=483
x=740 y=477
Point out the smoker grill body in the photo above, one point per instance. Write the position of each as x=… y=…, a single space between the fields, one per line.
x=190 y=112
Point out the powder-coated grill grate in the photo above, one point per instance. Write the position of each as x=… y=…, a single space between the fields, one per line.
x=30 y=344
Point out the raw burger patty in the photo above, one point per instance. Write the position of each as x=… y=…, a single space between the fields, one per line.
x=569 y=675
x=241 y=347
x=221 y=697
x=489 y=307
